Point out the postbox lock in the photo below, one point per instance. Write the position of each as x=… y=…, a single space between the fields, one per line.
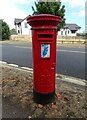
x=45 y=50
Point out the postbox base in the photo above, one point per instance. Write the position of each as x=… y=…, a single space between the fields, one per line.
x=43 y=98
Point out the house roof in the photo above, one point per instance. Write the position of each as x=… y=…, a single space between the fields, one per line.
x=67 y=26
x=17 y=21
x=72 y=26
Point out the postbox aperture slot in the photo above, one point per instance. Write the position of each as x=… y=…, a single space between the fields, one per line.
x=45 y=50
x=45 y=35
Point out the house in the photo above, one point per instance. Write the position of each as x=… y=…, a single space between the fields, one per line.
x=22 y=28
x=69 y=30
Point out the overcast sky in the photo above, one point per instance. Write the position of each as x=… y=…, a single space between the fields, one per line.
x=10 y=9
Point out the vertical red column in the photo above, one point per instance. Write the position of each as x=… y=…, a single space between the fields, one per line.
x=44 y=31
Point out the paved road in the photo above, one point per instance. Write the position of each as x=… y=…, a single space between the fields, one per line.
x=70 y=60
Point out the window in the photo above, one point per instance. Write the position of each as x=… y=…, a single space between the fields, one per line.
x=19 y=25
x=61 y=32
x=18 y=31
x=68 y=31
x=73 y=31
x=26 y=25
x=65 y=32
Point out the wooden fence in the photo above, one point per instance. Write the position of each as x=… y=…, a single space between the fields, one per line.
x=59 y=40
x=71 y=41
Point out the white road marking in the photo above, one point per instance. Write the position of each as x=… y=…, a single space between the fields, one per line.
x=23 y=47
x=71 y=51
x=1 y=62
x=27 y=68
x=13 y=65
x=79 y=82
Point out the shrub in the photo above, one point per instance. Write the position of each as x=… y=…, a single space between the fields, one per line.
x=13 y=32
x=4 y=30
x=86 y=35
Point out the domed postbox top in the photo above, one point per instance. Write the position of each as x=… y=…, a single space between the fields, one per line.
x=44 y=21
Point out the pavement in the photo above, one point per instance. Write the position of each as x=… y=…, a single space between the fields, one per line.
x=24 y=112
x=64 y=78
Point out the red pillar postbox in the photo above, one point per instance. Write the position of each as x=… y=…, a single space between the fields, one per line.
x=44 y=32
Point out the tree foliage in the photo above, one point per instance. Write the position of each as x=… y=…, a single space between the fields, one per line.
x=0 y=29
x=4 y=30
x=54 y=8
x=13 y=32
x=86 y=35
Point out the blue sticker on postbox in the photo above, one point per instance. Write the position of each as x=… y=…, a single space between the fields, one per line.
x=45 y=50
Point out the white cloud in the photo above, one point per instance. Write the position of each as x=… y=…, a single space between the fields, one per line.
x=86 y=8
x=79 y=4
x=81 y=13
x=9 y=10
x=14 y=2
x=75 y=3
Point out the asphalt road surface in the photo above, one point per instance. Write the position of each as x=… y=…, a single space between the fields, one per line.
x=70 y=60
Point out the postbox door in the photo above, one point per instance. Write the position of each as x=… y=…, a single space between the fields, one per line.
x=45 y=63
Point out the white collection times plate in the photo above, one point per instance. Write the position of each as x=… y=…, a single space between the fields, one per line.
x=45 y=50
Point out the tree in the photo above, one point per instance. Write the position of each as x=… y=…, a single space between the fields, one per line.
x=0 y=29
x=53 y=8
x=13 y=32
x=5 y=30
x=86 y=35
